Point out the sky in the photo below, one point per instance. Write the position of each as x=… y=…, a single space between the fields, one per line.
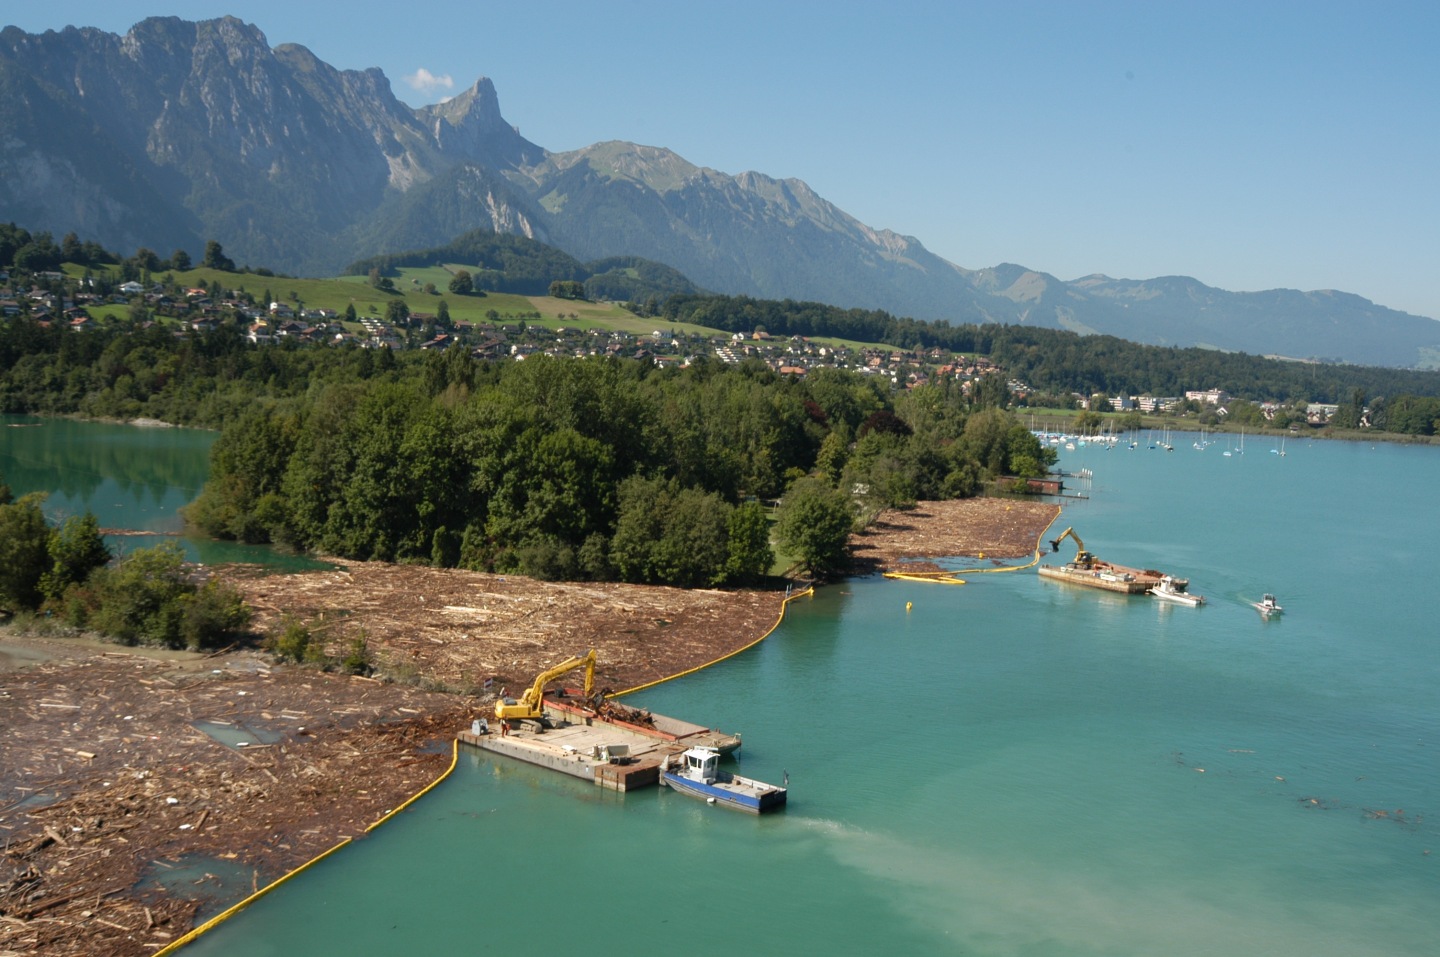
x=1250 y=145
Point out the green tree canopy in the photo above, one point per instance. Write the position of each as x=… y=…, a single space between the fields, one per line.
x=76 y=550
x=667 y=534
x=567 y=289
x=814 y=525
x=750 y=555
x=461 y=284
x=24 y=553
x=215 y=257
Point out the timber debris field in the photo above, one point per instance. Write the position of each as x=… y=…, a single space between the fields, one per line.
x=120 y=765
x=908 y=539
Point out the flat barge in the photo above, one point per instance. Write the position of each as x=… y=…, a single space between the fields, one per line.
x=1092 y=572
x=611 y=753
x=583 y=735
x=1104 y=575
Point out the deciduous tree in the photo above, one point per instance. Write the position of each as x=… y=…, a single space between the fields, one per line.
x=24 y=552
x=814 y=524
x=215 y=257
x=461 y=284
x=76 y=550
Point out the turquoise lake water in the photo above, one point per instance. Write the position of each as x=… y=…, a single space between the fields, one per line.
x=130 y=478
x=1014 y=767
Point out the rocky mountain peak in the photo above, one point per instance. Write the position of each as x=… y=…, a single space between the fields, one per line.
x=469 y=125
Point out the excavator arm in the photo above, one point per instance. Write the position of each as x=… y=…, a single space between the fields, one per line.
x=532 y=701
x=1082 y=557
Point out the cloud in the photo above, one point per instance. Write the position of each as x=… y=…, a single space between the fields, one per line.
x=427 y=82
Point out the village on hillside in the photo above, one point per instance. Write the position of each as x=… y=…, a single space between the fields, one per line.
x=515 y=337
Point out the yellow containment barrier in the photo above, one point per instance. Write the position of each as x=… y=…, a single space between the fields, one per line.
x=935 y=578
x=788 y=599
x=219 y=919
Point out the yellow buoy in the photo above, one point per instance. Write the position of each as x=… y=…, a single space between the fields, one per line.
x=907 y=606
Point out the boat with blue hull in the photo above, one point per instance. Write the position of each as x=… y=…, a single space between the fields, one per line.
x=698 y=775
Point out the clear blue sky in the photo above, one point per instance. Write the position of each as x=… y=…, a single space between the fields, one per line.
x=1251 y=145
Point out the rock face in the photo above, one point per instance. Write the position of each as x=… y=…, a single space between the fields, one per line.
x=179 y=132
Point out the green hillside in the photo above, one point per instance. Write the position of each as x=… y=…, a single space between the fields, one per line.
x=410 y=283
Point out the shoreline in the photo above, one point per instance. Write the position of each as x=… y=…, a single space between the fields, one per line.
x=1190 y=426
x=1180 y=425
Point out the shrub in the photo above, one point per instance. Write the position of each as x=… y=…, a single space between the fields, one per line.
x=148 y=598
x=211 y=614
x=358 y=660
x=295 y=642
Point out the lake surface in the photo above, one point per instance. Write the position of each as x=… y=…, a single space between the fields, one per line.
x=1012 y=767
x=129 y=477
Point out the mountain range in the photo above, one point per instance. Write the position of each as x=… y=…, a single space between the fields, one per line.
x=179 y=132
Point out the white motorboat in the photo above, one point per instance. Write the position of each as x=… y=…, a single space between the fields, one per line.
x=1267 y=606
x=1170 y=590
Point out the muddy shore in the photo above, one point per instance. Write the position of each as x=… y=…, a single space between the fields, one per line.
x=121 y=765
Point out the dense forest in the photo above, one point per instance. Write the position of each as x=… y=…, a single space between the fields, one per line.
x=557 y=467
x=594 y=468
x=602 y=468
x=500 y=262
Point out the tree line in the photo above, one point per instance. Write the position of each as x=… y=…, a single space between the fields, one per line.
x=1058 y=362
x=503 y=262
x=1053 y=363
x=596 y=468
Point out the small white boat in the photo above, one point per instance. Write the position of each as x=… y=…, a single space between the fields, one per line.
x=699 y=776
x=1267 y=606
x=1170 y=590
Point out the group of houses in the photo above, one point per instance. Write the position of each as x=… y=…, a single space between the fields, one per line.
x=1316 y=414
x=277 y=322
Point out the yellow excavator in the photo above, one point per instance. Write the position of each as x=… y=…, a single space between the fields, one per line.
x=531 y=706
x=1083 y=558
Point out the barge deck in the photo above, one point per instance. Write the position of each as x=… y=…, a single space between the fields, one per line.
x=647 y=723
x=613 y=754
x=1107 y=576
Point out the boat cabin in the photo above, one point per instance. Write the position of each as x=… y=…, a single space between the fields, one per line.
x=701 y=764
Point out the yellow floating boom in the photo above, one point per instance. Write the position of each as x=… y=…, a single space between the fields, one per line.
x=937 y=578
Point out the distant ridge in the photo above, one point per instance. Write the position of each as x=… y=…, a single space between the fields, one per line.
x=179 y=132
